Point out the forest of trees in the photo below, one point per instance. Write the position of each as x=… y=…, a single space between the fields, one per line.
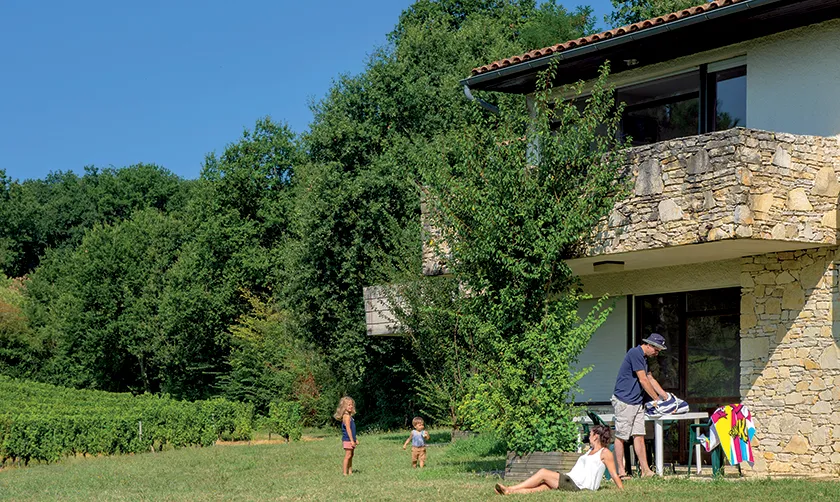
x=247 y=282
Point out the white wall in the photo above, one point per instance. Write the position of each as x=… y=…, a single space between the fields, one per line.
x=605 y=352
x=793 y=81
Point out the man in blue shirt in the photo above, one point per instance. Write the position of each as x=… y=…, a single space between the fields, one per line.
x=634 y=377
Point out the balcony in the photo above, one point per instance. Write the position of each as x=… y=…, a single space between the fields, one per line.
x=719 y=196
x=710 y=197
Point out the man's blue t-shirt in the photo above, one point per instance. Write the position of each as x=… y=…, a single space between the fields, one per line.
x=627 y=386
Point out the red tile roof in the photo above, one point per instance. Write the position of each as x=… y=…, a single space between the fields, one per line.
x=616 y=32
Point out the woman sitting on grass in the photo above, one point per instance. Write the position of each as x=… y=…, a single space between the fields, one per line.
x=585 y=475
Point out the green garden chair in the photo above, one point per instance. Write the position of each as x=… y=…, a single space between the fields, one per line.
x=717 y=453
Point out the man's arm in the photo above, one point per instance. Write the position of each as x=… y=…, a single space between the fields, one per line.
x=647 y=382
x=656 y=387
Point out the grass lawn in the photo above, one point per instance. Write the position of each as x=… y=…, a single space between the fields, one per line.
x=311 y=470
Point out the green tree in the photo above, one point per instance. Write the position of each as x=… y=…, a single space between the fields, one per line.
x=632 y=11
x=512 y=210
x=97 y=306
x=19 y=349
x=441 y=353
x=552 y=24
x=36 y=215
x=270 y=360
x=357 y=200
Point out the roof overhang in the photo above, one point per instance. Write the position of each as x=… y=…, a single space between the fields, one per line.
x=717 y=28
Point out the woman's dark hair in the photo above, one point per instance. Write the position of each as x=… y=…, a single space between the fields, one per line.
x=604 y=434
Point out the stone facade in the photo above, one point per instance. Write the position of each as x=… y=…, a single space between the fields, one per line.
x=748 y=184
x=790 y=361
x=738 y=183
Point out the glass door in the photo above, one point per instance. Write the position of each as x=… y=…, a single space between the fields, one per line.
x=702 y=363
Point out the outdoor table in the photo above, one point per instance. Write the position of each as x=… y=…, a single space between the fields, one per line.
x=658 y=435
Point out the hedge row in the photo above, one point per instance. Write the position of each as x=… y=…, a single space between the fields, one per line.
x=45 y=422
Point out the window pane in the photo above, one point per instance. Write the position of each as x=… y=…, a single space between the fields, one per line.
x=713 y=299
x=714 y=353
x=661 y=109
x=661 y=314
x=657 y=90
x=662 y=122
x=731 y=102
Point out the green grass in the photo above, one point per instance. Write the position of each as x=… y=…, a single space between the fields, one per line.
x=311 y=470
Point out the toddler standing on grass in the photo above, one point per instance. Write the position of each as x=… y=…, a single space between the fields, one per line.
x=418 y=438
x=344 y=413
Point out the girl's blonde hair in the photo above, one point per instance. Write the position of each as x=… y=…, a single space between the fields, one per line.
x=343 y=403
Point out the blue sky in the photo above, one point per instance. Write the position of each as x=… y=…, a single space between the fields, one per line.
x=108 y=83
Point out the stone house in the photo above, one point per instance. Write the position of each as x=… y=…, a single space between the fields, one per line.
x=727 y=244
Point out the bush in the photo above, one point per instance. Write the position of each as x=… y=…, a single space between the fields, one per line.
x=285 y=419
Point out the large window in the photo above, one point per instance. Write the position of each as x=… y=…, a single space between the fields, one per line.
x=604 y=352
x=711 y=98
x=702 y=363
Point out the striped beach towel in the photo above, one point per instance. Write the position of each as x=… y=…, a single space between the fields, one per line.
x=671 y=405
x=733 y=430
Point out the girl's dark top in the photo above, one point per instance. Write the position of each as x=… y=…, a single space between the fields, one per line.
x=344 y=435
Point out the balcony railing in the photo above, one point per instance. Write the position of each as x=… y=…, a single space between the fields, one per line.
x=734 y=184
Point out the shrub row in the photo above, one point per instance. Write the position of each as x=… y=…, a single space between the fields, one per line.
x=45 y=422
x=284 y=419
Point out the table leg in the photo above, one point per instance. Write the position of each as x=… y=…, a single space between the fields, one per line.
x=697 y=449
x=658 y=437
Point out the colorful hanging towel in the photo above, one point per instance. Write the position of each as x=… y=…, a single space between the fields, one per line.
x=733 y=429
x=671 y=405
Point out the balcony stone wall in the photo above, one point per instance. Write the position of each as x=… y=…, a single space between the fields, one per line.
x=738 y=183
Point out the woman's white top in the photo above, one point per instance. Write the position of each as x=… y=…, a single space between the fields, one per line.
x=588 y=471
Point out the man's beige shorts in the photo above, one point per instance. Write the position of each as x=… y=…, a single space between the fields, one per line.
x=629 y=419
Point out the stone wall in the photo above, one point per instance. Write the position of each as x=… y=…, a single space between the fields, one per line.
x=738 y=183
x=790 y=370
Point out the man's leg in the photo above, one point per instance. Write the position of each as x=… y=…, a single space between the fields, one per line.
x=624 y=416
x=638 y=433
x=619 y=457
x=641 y=454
